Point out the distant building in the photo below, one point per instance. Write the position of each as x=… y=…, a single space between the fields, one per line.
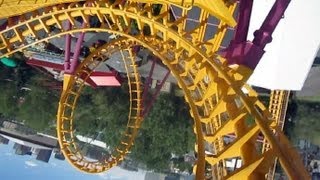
x=315 y=176
x=167 y=86
x=172 y=177
x=27 y=144
x=93 y=149
x=35 y=151
x=10 y=125
x=94 y=152
x=59 y=156
x=4 y=140
x=154 y=176
x=91 y=141
x=30 y=140
x=44 y=155
x=17 y=127
x=129 y=165
x=21 y=149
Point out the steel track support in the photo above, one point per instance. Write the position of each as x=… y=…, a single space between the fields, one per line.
x=249 y=53
x=155 y=95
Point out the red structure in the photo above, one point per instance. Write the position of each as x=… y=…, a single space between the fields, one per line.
x=97 y=78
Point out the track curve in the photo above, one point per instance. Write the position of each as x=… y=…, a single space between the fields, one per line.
x=68 y=103
x=214 y=91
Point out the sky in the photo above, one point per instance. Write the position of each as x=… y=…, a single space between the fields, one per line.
x=28 y=168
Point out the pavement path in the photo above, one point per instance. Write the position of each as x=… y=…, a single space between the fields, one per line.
x=311 y=86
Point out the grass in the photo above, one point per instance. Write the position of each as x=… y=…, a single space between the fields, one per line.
x=309 y=98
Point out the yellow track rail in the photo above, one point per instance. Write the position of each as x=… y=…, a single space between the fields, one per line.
x=67 y=105
x=213 y=90
x=10 y=8
x=278 y=107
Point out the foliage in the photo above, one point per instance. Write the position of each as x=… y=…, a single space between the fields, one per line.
x=167 y=130
x=103 y=110
x=306 y=123
x=8 y=99
x=39 y=107
x=36 y=107
x=101 y=114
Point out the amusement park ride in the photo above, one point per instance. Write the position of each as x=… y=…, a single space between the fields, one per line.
x=213 y=78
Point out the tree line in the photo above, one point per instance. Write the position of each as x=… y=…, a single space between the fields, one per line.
x=101 y=114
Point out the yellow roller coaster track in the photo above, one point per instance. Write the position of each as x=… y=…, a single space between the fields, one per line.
x=17 y=7
x=220 y=102
x=68 y=101
x=278 y=107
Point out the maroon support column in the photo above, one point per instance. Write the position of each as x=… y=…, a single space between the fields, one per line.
x=67 y=49
x=241 y=51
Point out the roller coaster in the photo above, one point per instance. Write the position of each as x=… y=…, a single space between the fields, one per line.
x=212 y=78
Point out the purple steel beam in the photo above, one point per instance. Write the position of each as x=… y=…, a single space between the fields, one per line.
x=249 y=53
x=41 y=63
x=9 y=22
x=67 y=49
x=245 y=9
x=148 y=81
x=76 y=54
x=263 y=36
x=155 y=95
x=3 y=26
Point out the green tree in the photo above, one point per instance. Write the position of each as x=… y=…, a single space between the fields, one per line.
x=102 y=113
x=307 y=124
x=103 y=110
x=37 y=106
x=8 y=99
x=166 y=130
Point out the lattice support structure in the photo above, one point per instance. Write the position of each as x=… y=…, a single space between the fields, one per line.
x=72 y=87
x=148 y=104
x=213 y=89
x=278 y=107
